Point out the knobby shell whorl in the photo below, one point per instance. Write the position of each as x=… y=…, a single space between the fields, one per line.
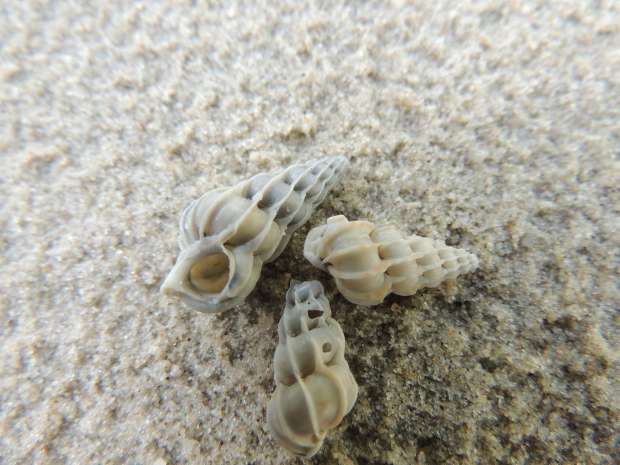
x=368 y=262
x=228 y=233
x=315 y=388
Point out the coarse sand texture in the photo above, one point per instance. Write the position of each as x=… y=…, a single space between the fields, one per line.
x=491 y=125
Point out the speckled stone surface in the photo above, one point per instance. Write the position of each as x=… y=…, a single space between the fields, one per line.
x=492 y=125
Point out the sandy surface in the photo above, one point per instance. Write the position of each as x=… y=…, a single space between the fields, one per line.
x=494 y=127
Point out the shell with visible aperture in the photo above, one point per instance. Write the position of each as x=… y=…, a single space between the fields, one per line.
x=315 y=388
x=229 y=233
x=368 y=262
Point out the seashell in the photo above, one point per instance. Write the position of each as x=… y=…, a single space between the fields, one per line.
x=315 y=388
x=368 y=261
x=228 y=233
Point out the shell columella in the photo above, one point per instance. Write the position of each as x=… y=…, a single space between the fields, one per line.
x=315 y=388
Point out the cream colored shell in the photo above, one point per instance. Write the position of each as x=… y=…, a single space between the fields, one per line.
x=368 y=261
x=314 y=385
x=228 y=233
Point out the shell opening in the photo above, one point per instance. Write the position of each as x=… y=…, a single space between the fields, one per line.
x=210 y=273
x=315 y=313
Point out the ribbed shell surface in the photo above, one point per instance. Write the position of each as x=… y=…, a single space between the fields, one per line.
x=315 y=388
x=227 y=234
x=368 y=262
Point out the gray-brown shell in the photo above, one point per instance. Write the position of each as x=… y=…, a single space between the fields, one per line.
x=368 y=262
x=228 y=233
x=315 y=388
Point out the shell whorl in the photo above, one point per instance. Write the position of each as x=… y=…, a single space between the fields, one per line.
x=315 y=388
x=229 y=233
x=369 y=262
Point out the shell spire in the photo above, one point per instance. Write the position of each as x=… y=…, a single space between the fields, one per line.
x=369 y=262
x=229 y=233
x=315 y=388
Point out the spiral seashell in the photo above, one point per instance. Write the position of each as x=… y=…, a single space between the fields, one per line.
x=368 y=261
x=228 y=233
x=315 y=388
